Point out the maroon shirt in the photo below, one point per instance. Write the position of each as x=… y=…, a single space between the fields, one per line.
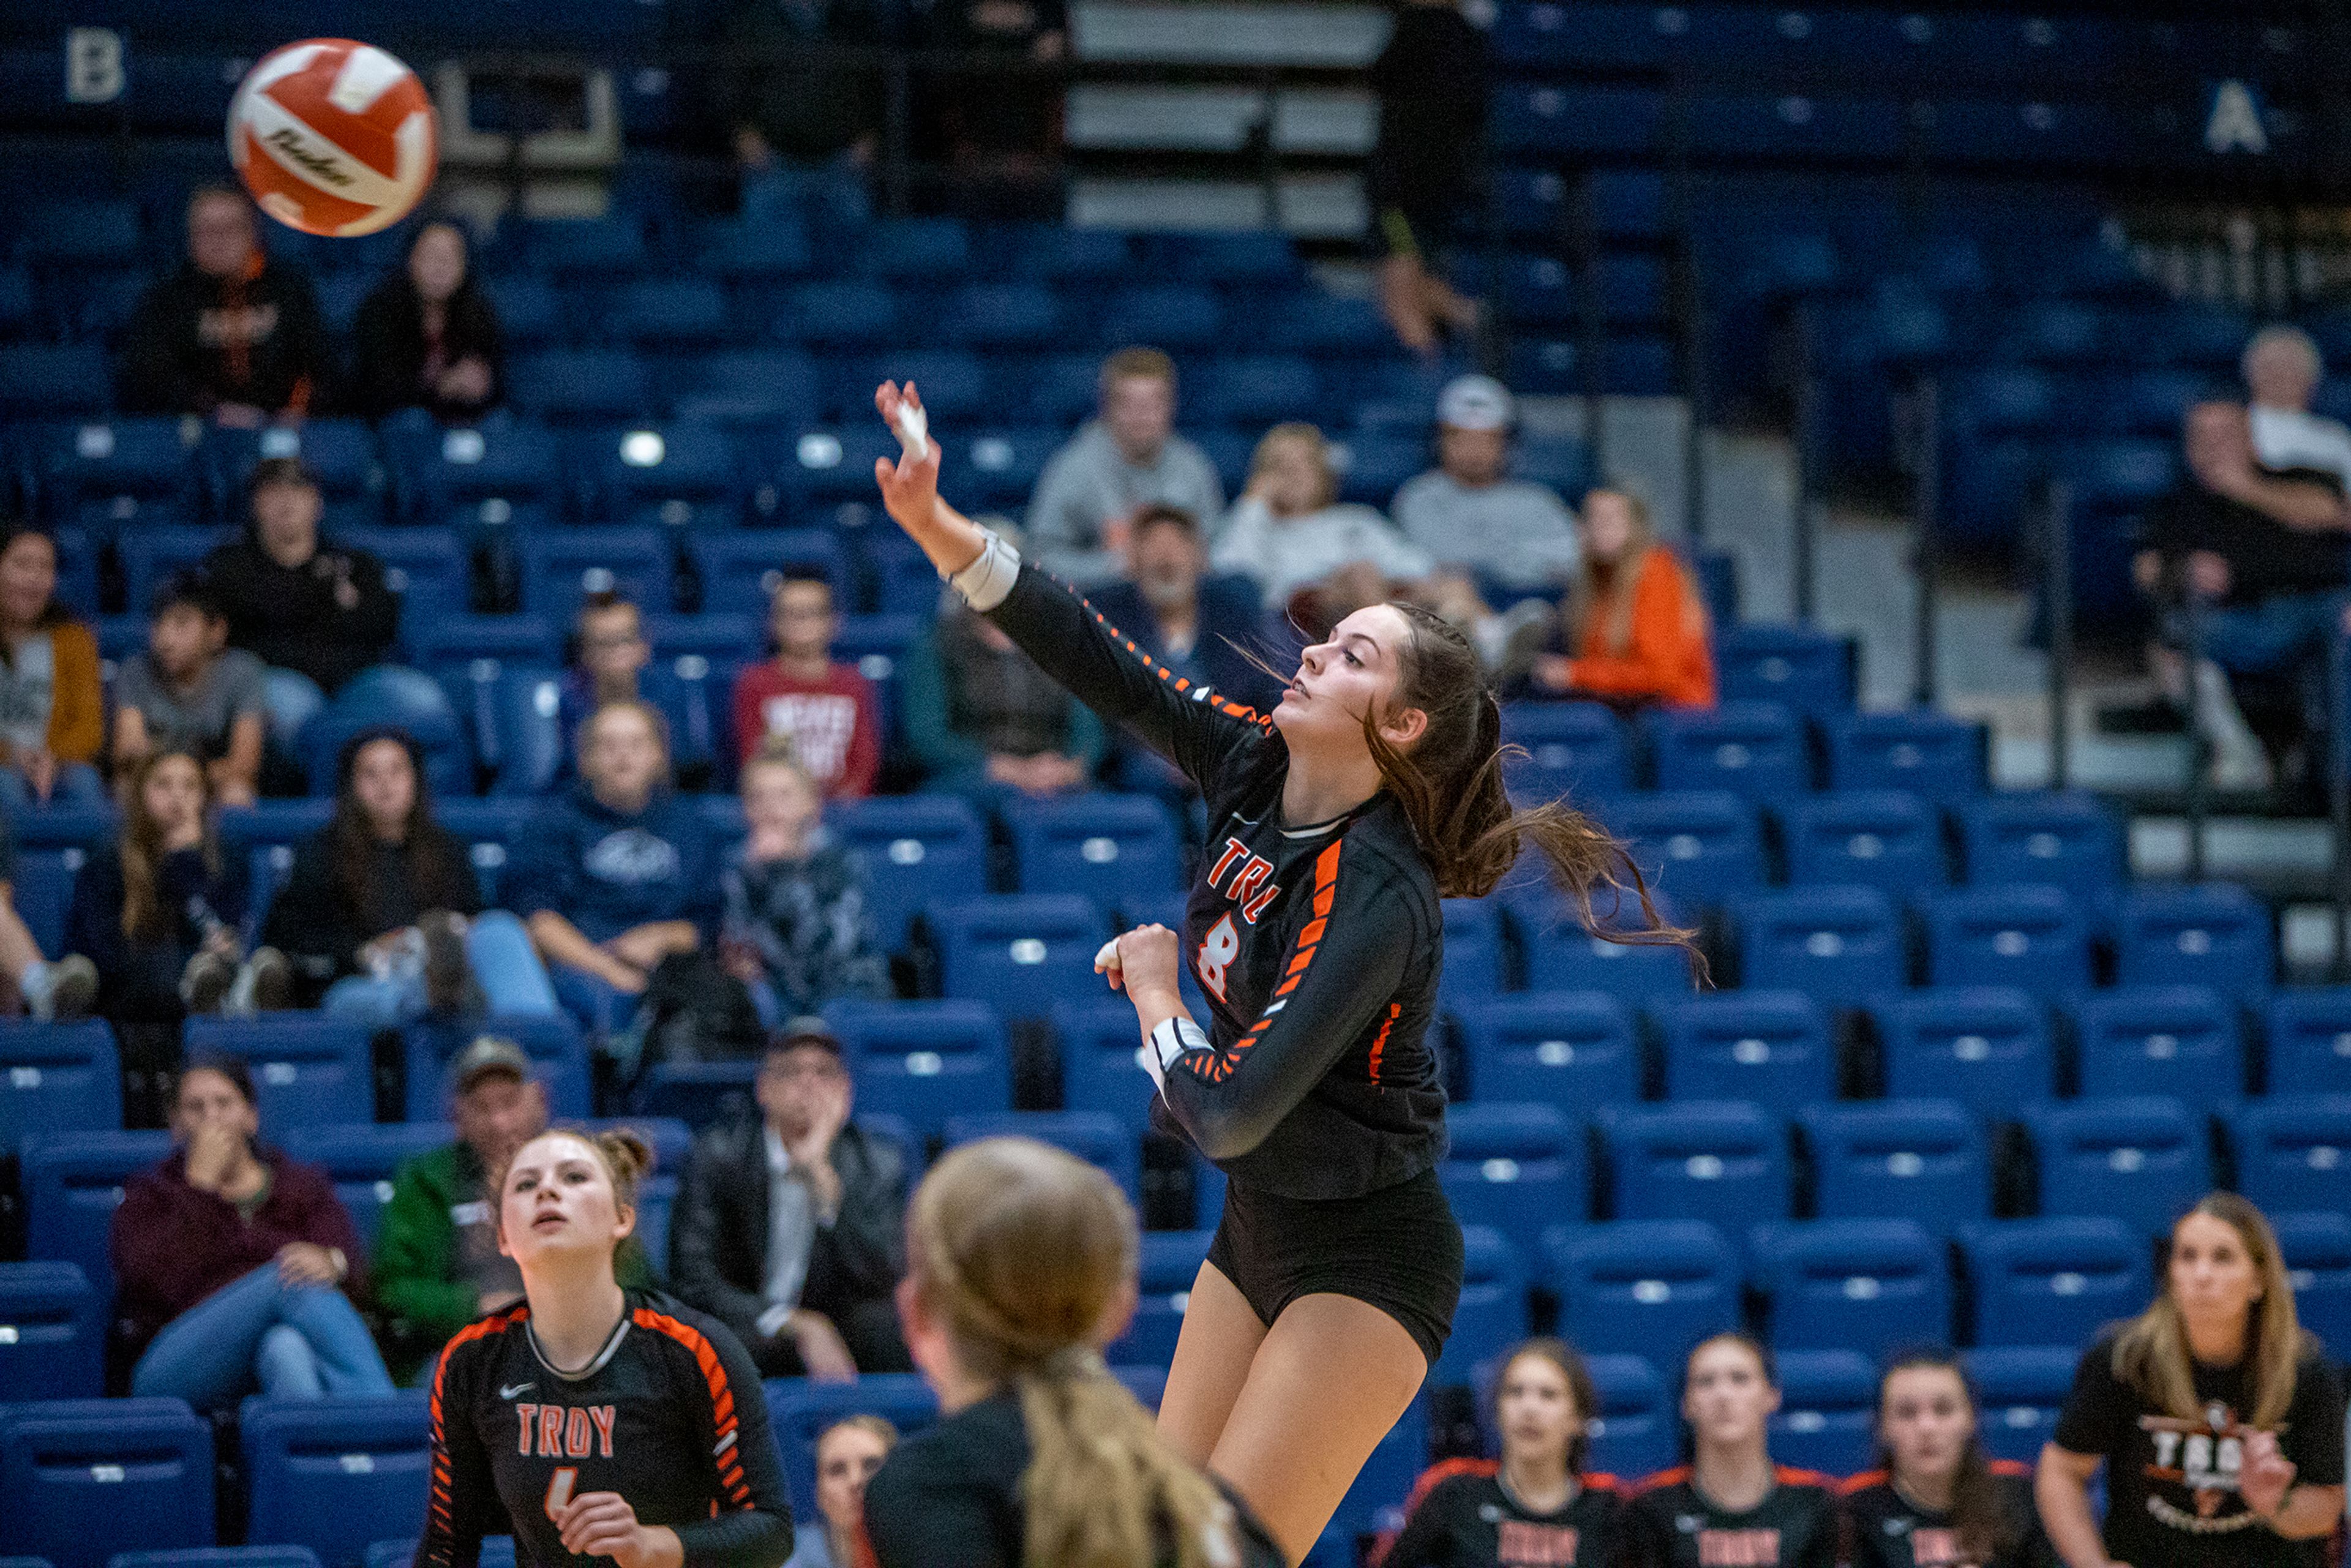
x=174 y=1244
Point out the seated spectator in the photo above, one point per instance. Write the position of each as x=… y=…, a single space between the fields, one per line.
x=984 y=721
x=1636 y=622
x=2282 y=370
x=1290 y=533
x=232 y=334
x=825 y=709
x=2265 y=556
x=158 y=912
x=807 y=127
x=796 y=929
x=1129 y=457
x=848 y=1452
x=1183 y=617
x=65 y=989
x=315 y=613
x=608 y=654
x=192 y=692
x=618 y=875
x=52 y=705
x=789 y=1227
x=437 y=1264
x=1467 y=514
x=381 y=915
x=428 y=336
x=230 y=1262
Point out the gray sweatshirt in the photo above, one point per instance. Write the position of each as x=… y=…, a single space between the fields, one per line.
x=1090 y=482
x=1519 y=533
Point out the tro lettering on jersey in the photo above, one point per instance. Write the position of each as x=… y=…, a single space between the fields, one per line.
x=565 y=1431
x=1252 y=886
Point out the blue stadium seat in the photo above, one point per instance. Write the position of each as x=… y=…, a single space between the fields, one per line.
x=694 y=695
x=800 y=1411
x=755 y=246
x=2034 y=938
x=1986 y=1049
x=2181 y=1040
x=2213 y=933
x=1170 y=1264
x=219 y=1557
x=671 y=312
x=1112 y=849
x=153 y=1457
x=72 y=1183
x=308 y=1069
x=1387 y=1476
x=926 y=1061
x=1373 y=467
x=519 y=715
x=43 y=894
x=739 y=570
x=1492 y=1313
x=1573 y=749
x=392 y=694
x=334 y=1475
x=1884 y=839
x=1697 y=847
x=1755 y=750
x=685 y=473
x=2143 y=1160
x=1003 y=316
x=52 y=1334
x=361 y=1158
x=1638 y=1432
x=694 y=1092
x=1517 y=1169
x=759 y=389
x=1573 y=1050
x=531 y=314
x=1099 y=1072
x=1336 y=326
x=497 y=1552
x=80 y=233
x=1827 y=1418
x=848 y=313
x=1175 y=316
x=97 y=462
x=342 y=455
x=1897 y=1159
x=577 y=386
x=1058 y=252
x=425 y=566
x=956 y=385
x=1870 y=1285
x=562 y=567
x=916 y=849
x=597 y=246
x=516 y=463
x=57 y=1078
x=1001 y=466
x=722 y=637
x=2293 y=1152
x=48 y=381
x=1929 y=754
x=2317 y=1248
x=557 y=1054
x=153 y=555
x=2020 y=1390
x=1095 y=1137
x=1555 y=120
x=1256 y=258
x=2309 y=1035
x=1841 y=946
x=1812 y=672
x=2053 y=1281
x=1473 y=951
x=2058 y=838
x=927 y=250
x=1652 y=1288
x=1253 y=390
x=1016 y=952
x=1562 y=954
x=1771 y=1046
x=1722 y=1161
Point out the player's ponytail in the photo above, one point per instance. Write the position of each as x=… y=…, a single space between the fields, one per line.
x=1023 y=1253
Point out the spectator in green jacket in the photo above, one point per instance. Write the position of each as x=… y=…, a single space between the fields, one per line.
x=438 y=1264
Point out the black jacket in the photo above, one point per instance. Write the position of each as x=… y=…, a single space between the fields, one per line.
x=139 y=977
x=388 y=350
x=320 y=925
x=775 y=75
x=293 y=617
x=718 y=1232
x=197 y=341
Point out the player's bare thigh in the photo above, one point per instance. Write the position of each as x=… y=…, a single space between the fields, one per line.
x=1214 y=1351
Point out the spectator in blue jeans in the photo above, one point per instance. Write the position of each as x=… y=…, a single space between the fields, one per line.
x=230 y=1262
x=382 y=913
x=619 y=873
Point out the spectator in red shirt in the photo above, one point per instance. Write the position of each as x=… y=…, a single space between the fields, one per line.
x=826 y=710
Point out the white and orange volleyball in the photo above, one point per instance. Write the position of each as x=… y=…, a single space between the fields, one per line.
x=333 y=137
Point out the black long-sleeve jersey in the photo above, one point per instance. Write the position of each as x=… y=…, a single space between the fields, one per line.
x=670 y=1415
x=1883 y=1529
x=1460 y=1515
x=1672 y=1525
x=1318 y=947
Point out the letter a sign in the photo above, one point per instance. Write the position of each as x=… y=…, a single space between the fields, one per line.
x=2232 y=122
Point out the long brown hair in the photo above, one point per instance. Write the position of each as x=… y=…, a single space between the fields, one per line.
x=143 y=917
x=2151 y=1355
x=1983 y=1525
x=438 y=876
x=1022 y=1251
x=1569 y=1362
x=1605 y=589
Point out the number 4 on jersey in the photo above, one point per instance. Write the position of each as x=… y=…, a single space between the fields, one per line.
x=1218 y=950
x=558 y=1491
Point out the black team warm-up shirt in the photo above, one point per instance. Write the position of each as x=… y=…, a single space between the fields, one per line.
x=1670 y=1524
x=670 y=1415
x=1886 y=1529
x=1318 y=946
x=1462 y=1516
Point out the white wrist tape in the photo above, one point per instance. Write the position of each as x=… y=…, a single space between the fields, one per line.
x=986 y=581
x=913 y=428
x=1166 y=1043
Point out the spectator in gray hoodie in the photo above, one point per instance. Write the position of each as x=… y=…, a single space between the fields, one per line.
x=1128 y=458
x=1467 y=514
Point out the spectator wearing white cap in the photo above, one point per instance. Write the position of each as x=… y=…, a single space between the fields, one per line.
x=2282 y=370
x=1467 y=514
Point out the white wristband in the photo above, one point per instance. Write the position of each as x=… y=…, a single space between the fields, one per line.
x=1166 y=1044
x=986 y=582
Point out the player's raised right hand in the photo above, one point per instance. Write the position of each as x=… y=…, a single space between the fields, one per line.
x=910 y=484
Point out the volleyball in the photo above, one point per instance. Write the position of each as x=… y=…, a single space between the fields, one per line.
x=333 y=137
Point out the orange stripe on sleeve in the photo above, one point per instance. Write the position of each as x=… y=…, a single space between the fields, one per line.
x=714 y=1375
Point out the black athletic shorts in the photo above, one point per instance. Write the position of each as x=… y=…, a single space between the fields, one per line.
x=1399 y=1249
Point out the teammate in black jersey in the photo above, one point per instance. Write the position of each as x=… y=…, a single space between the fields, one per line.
x=592 y=1422
x=1335 y=825
x=1731 y=1507
x=1020 y=1263
x=1934 y=1500
x=1533 y=1509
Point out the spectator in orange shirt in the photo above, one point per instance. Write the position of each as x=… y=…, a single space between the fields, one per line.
x=1638 y=630
x=826 y=710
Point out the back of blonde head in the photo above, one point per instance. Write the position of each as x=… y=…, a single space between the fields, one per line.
x=1023 y=1252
